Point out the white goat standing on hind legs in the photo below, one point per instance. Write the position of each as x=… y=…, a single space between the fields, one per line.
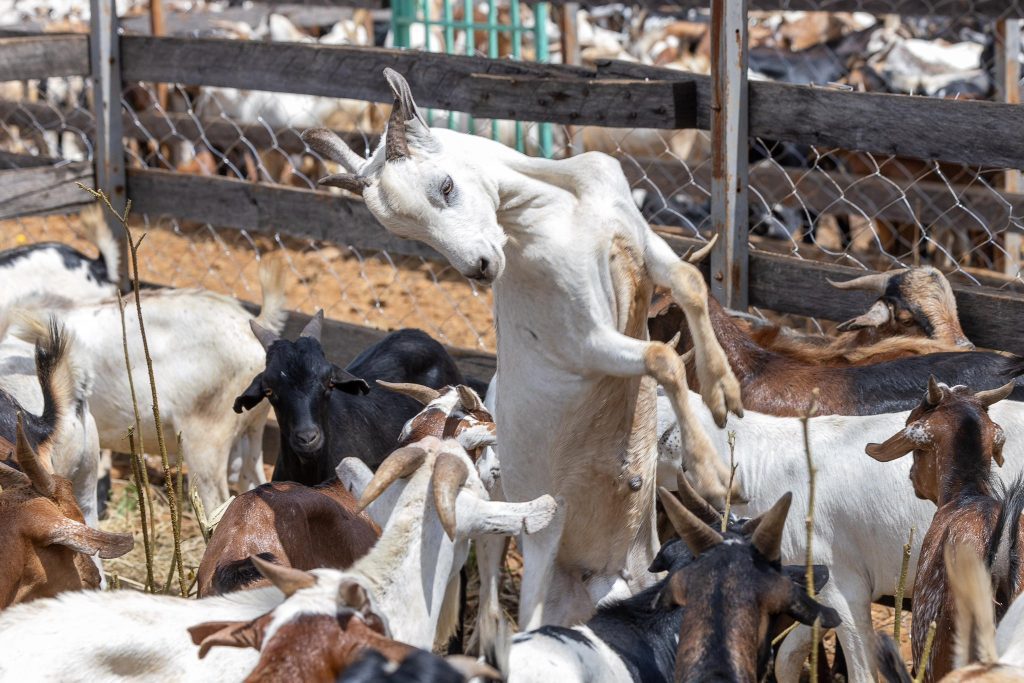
x=573 y=265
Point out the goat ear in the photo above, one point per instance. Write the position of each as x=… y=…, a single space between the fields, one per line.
x=896 y=446
x=805 y=609
x=347 y=382
x=677 y=589
x=798 y=575
x=404 y=102
x=469 y=399
x=83 y=539
x=229 y=634
x=252 y=395
x=997 y=445
x=879 y=314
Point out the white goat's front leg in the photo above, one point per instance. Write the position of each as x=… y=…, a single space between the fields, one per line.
x=616 y=354
x=718 y=385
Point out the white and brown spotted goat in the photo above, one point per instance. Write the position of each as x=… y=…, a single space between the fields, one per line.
x=573 y=263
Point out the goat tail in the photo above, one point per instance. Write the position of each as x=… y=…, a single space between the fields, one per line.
x=890 y=662
x=98 y=232
x=56 y=379
x=975 y=626
x=272 y=282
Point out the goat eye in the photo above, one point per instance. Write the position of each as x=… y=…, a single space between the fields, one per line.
x=269 y=393
x=447 y=187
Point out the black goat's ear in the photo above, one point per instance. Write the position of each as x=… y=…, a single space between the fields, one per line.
x=347 y=382
x=805 y=609
x=252 y=395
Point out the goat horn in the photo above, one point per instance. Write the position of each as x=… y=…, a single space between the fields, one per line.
x=471 y=668
x=400 y=464
x=314 y=327
x=688 y=356
x=698 y=536
x=934 y=395
x=990 y=396
x=417 y=391
x=767 y=537
x=10 y=477
x=469 y=399
x=327 y=144
x=265 y=336
x=346 y=181
x=693 y=502
x=450 y=473
x=288 y=580
x=702 y=253
x=875 y=282
x=41 y=479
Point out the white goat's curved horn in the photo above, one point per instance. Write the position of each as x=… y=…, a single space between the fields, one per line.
x=698 y=536
x=875 y=282
x=767 y=537
x=314 y=327
x=42 y=480
x=288 y=580
x=471 y=668
x=265 y=336
x=990 y=396
x=346 y=181
x=450 y=473
x=327 y=144
x=702 y=253
x=417 y=391
x=400 y=464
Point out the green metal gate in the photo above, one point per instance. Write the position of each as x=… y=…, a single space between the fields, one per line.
x=406 y=13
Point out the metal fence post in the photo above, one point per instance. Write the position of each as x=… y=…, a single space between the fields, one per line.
x=1008 y=77
x=108 y=154
x=729 y=152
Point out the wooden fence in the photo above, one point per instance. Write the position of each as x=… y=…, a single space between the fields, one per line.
x=613 y=94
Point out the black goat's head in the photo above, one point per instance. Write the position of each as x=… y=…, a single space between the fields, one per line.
x=298 y=382
x=736 y=587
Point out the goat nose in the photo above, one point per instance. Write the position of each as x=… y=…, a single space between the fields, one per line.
x=307 y=436
x=485 y=264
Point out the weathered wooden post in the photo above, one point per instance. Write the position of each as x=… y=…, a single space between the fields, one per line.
x=729 y=150
x=108 y=153
x=1008 y=83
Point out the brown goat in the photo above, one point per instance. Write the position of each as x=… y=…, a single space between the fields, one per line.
x=915 y=314
x=44 y=542
x=954 y=443
x=283 y=522
x=313 y=647
x=776 y=384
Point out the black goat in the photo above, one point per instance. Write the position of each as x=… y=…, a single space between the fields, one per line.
x=327 y=414
x=639 y=636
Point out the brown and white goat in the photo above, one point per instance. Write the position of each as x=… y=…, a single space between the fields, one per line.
x=45 y=545
x=954 y=443
x=283 y=522
x=311 y=645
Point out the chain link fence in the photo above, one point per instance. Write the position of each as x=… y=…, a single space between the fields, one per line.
x=842 y=206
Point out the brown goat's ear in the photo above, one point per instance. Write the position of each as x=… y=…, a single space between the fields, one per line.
x=347 y=382
x=997 y=445
x=89 y=541
x=252 y=395
x=469 y=399
x=10 y=477
x=229 y=634
x=879 y=314
x=896 y=446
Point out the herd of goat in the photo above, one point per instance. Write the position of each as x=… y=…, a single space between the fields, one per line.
x=625 y=394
